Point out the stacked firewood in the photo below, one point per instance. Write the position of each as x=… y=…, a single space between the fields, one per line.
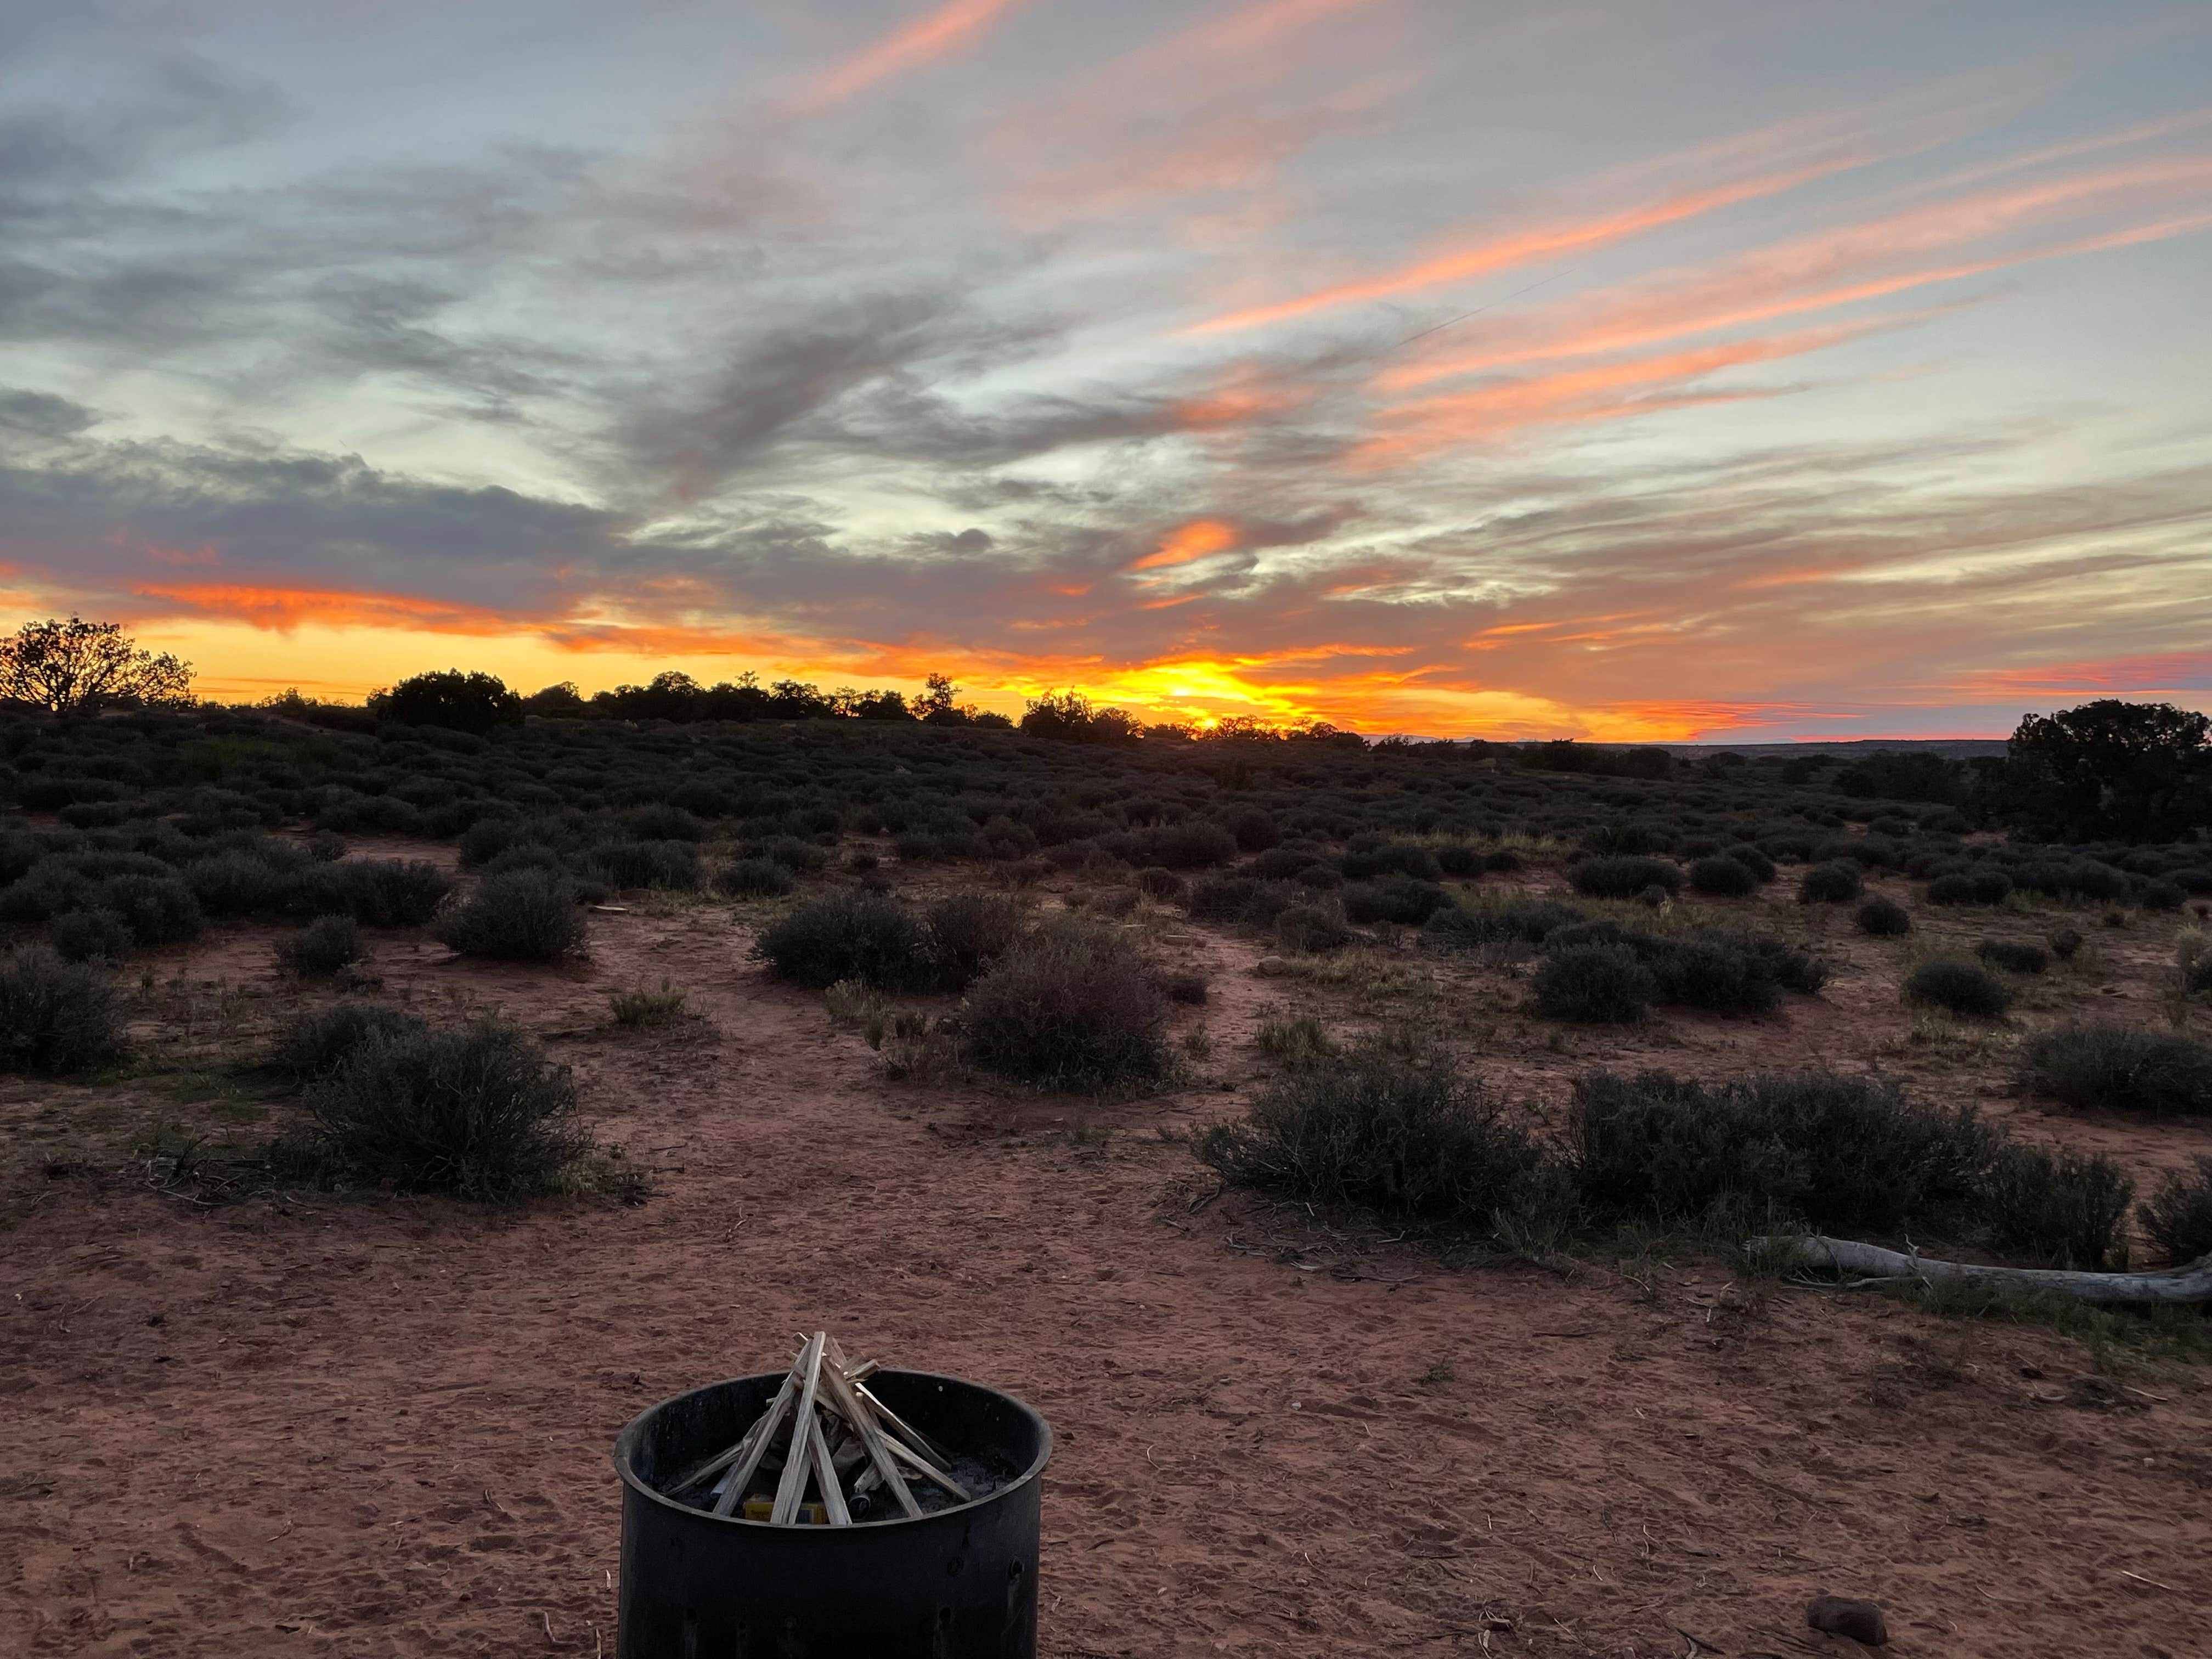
x=825 y=1434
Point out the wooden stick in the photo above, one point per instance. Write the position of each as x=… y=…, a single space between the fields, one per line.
x=846 y=1400
x=906 y=1431
x=755 y=1448
x=722 y=1459
x=793 y=1487
x=825 y=1473
x=900 y=1448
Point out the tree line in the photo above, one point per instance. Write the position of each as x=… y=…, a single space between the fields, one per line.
x=2108 y=770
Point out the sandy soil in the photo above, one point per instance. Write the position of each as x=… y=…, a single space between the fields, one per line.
x=321 y=1427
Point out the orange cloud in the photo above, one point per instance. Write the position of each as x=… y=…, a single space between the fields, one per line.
x=1195 y=540
x=1527 y=246
x=931 y=36
x=2170 y=670
x=283 y=609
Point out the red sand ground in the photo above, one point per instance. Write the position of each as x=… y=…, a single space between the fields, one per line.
x=383 y=1427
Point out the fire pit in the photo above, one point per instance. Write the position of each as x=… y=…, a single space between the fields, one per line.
x=911 y=1568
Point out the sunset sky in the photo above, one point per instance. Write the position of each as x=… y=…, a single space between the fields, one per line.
x=1626 y=369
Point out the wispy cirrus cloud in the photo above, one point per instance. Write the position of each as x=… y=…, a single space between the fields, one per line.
x=928 y=36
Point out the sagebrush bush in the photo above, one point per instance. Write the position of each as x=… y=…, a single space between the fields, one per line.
x=1882 y=918
x=1311 y=928
x=1159 y=883
x=1962 y=987
x=1487 y=922
x=1624 y=877
x=2117 y=1068
x=2064 y=942
x=478 y=1112
x=2012 y=956
x=91 y=935
x=1071 y=1005
x=521 y=915
x=1406 y=900
x=1723 y=877
x=968 y=933
x=386 y=892
x=755 y=879
x=645 y=1005
x=2057 y=1209
x=1844 y=1155
x=157 y=910
x=1392 y=1128
x=311 y=1044
x=1971 y=887
x=55 y=1015
x=1838 y=883
x=1597 y=984
x=2178 y=1217
x=1752 y=859
x=323 y=946
x=858 y=936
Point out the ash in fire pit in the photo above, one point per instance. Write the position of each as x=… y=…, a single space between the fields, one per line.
x=828 y=1451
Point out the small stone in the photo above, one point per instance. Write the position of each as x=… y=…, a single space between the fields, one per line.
x=1270 y=967
x=1846 y=1615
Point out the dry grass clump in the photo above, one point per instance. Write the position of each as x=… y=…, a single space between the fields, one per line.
x=643 y=1006
x=1070 y=1006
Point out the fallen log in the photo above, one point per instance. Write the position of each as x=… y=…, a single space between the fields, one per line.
x=2189 y=1282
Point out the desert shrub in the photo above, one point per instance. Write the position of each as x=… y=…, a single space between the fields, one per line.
x=315 y=1043
x=523 y=915
x=2057 y=1209
x=968 y=932
x=326 y=847
x=1722 y=976
x=1254 y=828
x=1186 y=986
x=1493 y=922
x=754 y=879
x=671 y=866
x=1838 y=883
x=1220 y=898
x=1070 y=1006
x=1882 y=918
x=1963 y=988
x=643 y=1006
x=2160 y=895
x=1456 y=858
x=1312 y=927
x=1971 y=887
x=858 y=936
x=157 y=910
x=2178 y=1217
x=1723 y=877
x=1393 y=1128
x=391 y=892
x=801 y=857
x=1321 y=877
x=2064 y=942
x=55 y=1015
x=323 y=946
x=2012 y=956
x=89 y=935
x=1191 y=845
x=2117 y=1068
x=237 y=883
x=1402 y=899
x=1159 y=883
x=1752 y=859
x=1390 y=857
x=1844 y=1155
x=1599 y=984
x=661 y=822
x=1624 y=875
x=1503 y=861
x=478 y=1112
x=1281 y=863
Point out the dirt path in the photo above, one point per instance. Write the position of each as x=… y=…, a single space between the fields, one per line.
x=384 y=1427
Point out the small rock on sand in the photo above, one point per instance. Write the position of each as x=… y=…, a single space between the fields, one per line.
x=1846 y=1615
